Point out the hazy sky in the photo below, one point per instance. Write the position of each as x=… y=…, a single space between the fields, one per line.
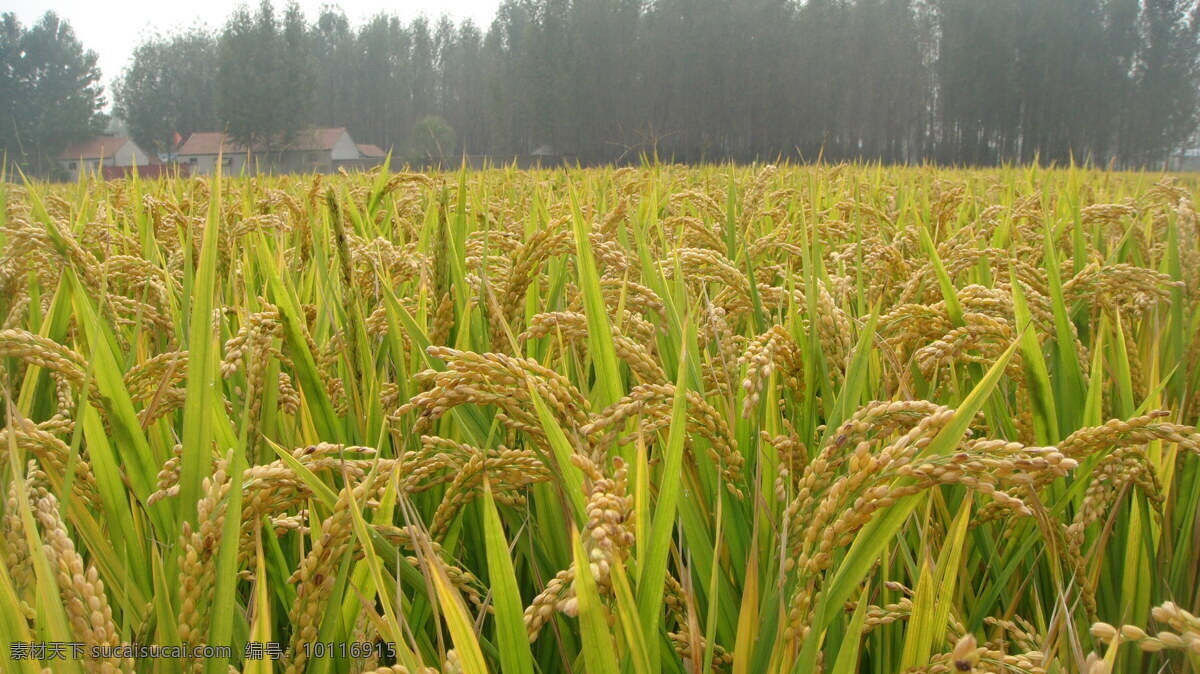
x=112 y=29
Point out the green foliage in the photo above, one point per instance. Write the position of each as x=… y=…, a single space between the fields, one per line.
x=168 y=88
x=264 y=76
x=50 y=93
x=431 y=139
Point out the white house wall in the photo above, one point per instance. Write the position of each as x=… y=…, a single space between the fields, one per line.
x=130 y=154
x=206 y=164
x=345 y=148
x=84 y=165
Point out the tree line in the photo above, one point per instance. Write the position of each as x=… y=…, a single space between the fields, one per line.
x=950 y=81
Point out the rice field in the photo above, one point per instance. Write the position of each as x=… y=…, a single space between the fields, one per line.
x=659 y=419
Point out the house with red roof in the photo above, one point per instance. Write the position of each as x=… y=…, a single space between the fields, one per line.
x=369 y=151
x=311 y=151
x=106 y=151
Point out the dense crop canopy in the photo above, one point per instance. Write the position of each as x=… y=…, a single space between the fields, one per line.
x=762 y=419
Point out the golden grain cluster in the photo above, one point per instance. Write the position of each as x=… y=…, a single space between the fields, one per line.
x=663 y=419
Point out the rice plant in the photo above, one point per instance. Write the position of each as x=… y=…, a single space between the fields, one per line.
x=658 y=419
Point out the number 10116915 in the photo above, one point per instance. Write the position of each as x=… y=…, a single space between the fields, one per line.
x=354 y=649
